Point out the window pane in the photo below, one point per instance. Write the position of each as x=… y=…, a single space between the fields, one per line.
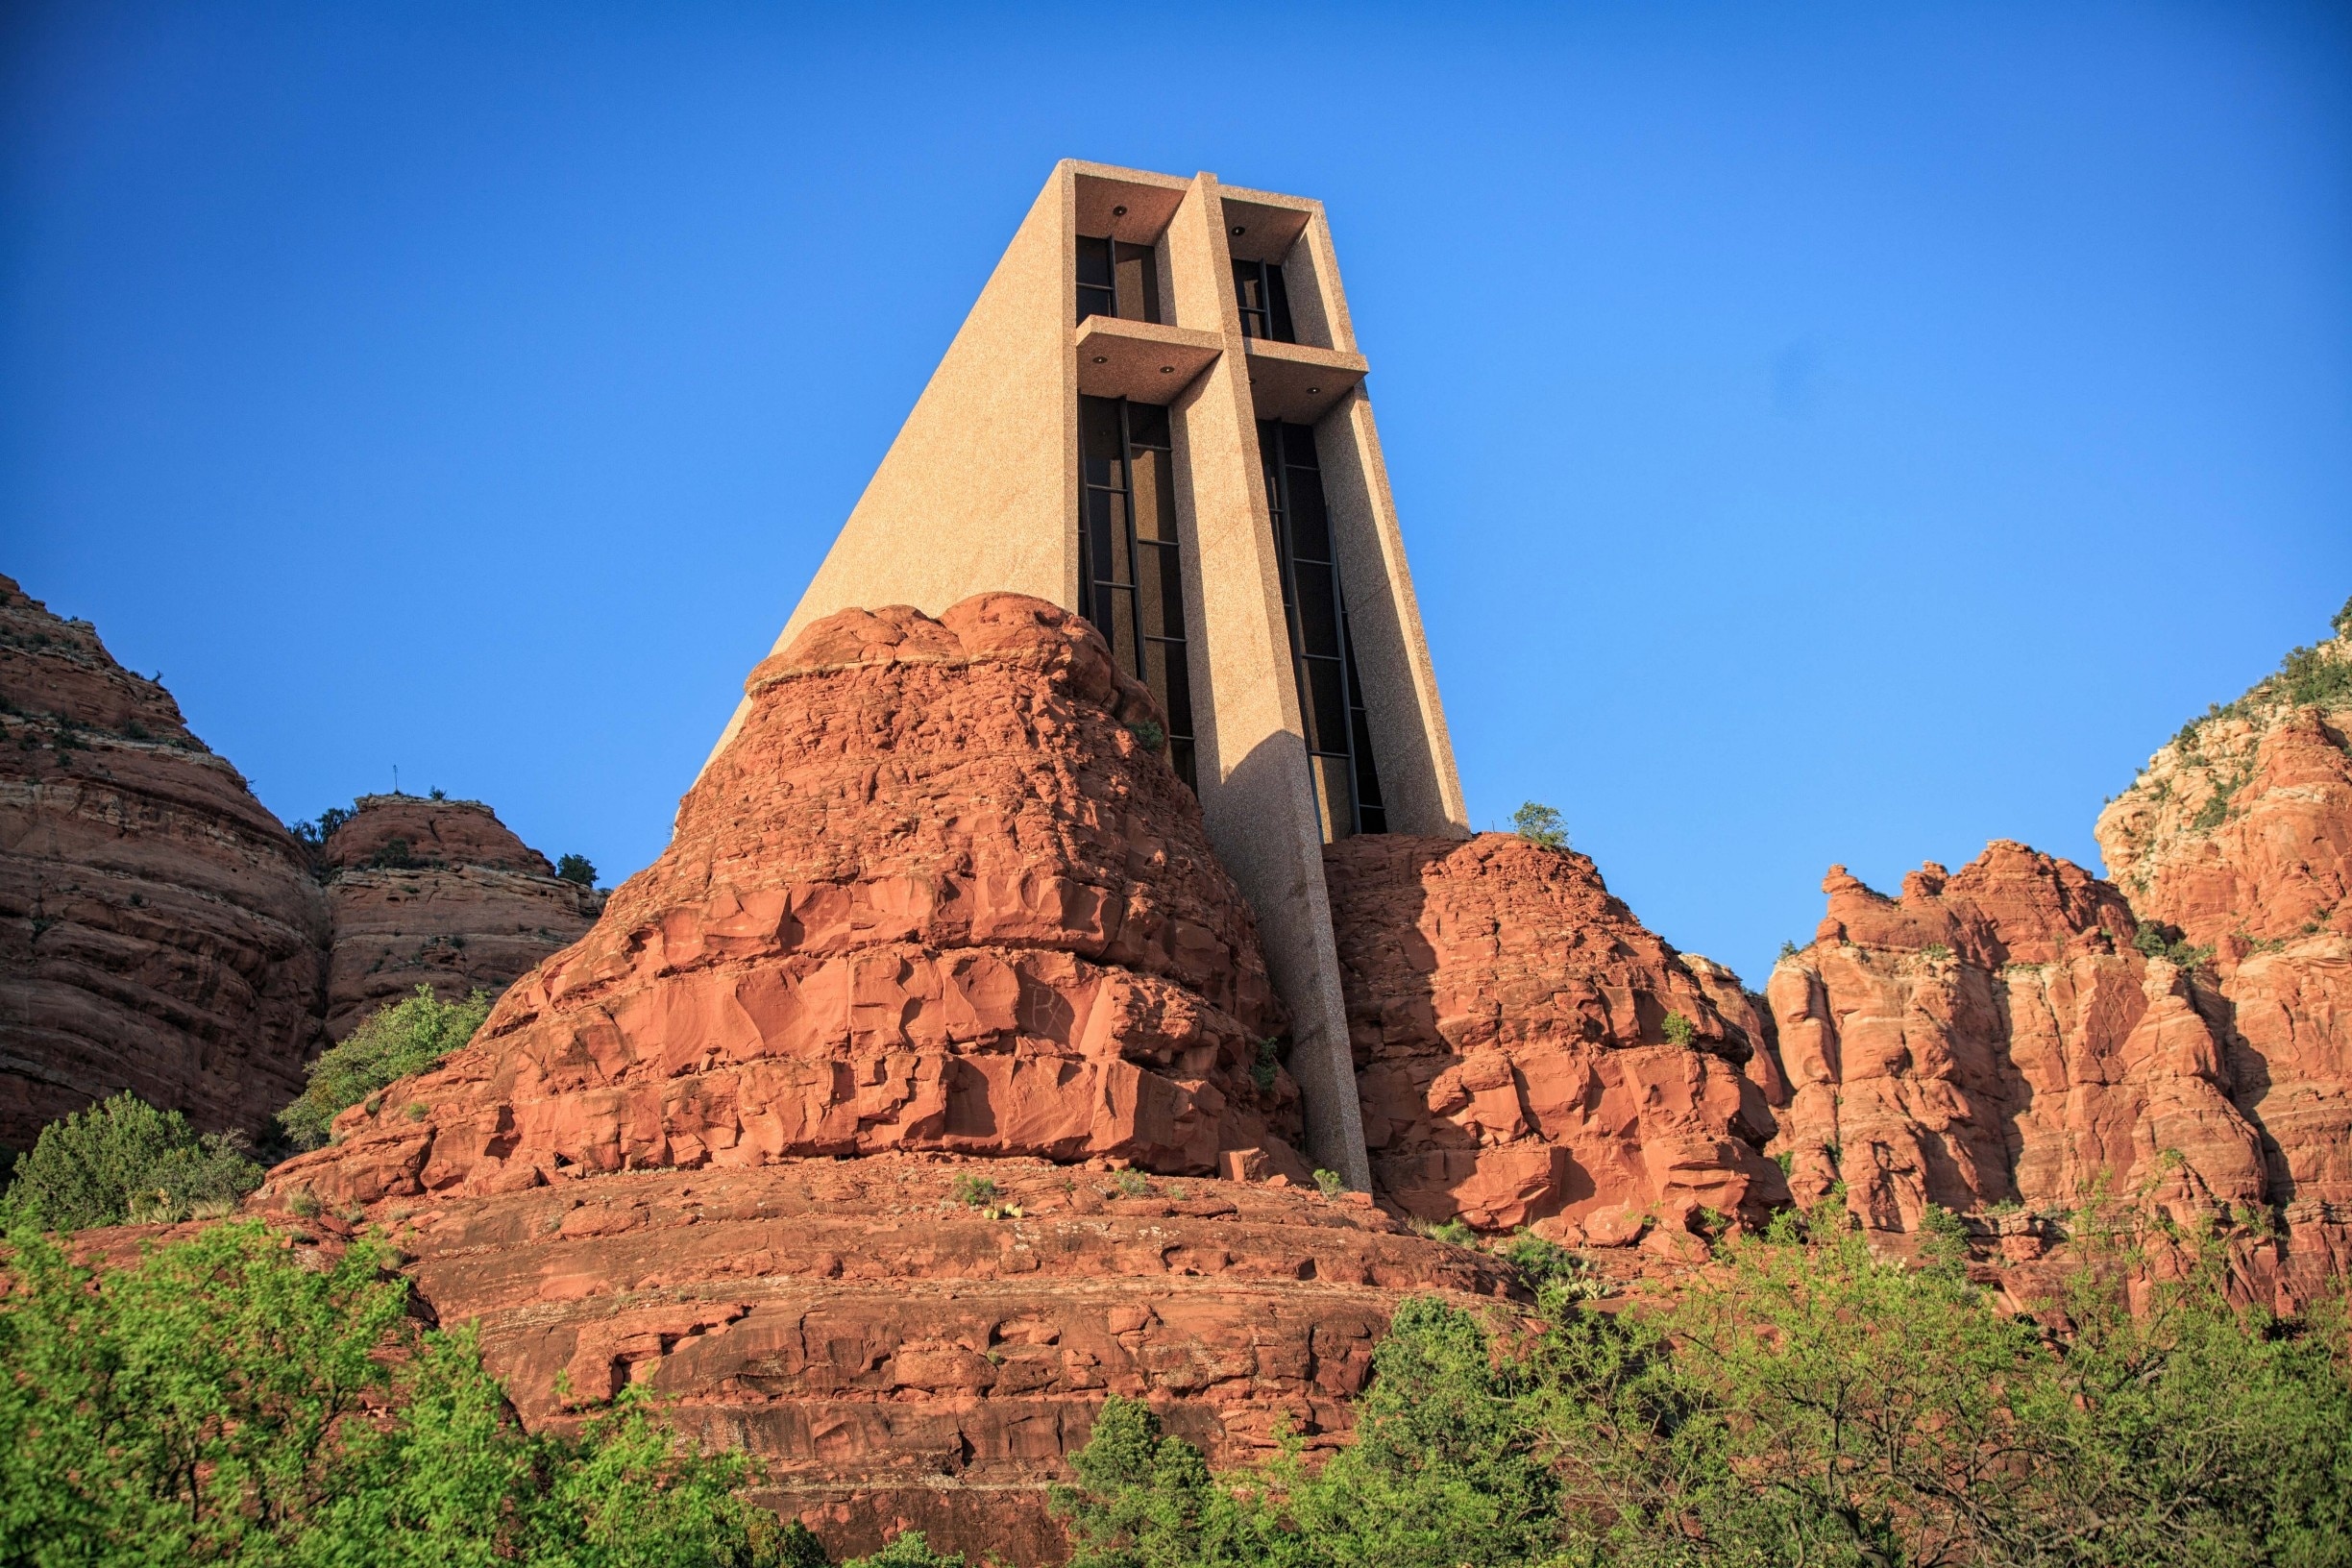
x=1147 y=425
x=1155 y=495
x=1116 y=622
x=1309 y=523
x=1162 y=591
x=1100 y=512
x=1098 y=440
x=1299 y=446
x=1138 y=284
x=1176 y=700
x=1278 y=306
x=1093 y=301
x=1326 y=708
x=1094 y=263
x=1180 y=758
x=1318 y=616
x=1330 y=784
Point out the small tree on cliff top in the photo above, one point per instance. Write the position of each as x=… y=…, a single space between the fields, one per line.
x=1540 y=824
x=122 y=1160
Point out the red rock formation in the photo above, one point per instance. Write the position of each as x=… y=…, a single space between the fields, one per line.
x=438 y=892
x=1510 y=1018
x=903 y=1355
x=2238 y=835
x=936 y=895
x=159 y=929
x=1994 y=1037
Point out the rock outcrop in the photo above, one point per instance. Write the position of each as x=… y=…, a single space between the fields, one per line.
x=159 y=929
x=937 y=906
x=438 y=892
x=2237 y=840
x=2014 y=1039
x=1527 y=1050
x=905 y=1348
x=936 y=895
x=1994 y=1037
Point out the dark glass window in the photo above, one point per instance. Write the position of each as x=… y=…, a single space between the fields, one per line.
x=1265 y=305
x=1117 y=278
x=1130 y=573
x=1330 y=699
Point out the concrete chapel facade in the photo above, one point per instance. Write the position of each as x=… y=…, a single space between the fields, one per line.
x=1155 y=415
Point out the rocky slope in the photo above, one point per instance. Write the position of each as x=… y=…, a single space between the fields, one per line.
x=159 y=929
x=1511 y=1026
x=438 y=892
x=937 y=906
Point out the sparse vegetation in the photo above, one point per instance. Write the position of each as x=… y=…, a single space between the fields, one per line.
x=407 y=1036
x=1540 y=824
x=1329 y=1183
x=1678 y=1029
x=1265 y=1070
x=576 y=869
x=1936 y=952
x=1148 y=733
x=2165 y=941
x=124 y=1162
x=975 y=1191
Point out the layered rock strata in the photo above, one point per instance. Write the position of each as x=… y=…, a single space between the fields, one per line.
x=438 y=892
x=906 y=1349
x=936 y=895
x=1995 y=1038
x=1527 y=1050
x=159 y=929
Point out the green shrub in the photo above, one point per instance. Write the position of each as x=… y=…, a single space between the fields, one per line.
x=576 y=869
x=124 y=1160
x=1264 y=1070
x=1151 y=737
x=221 y=1402
x=908 y=1551
x=1329 y=1183
x=1678 y=1029
x=1804 y=1402
x=394 y=856
x=406 y=1037
x=1540 y=824
x=978 y=1192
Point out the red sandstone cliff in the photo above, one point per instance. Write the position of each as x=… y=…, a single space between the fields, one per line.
x=936 y=906
x=438 y=892
x=159 y=929
x=2003 y=1040
x=1511 y=1021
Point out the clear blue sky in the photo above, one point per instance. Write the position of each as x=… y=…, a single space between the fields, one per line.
x=1824 y=434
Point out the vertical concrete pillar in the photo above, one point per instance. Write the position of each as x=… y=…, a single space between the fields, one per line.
x=1256 y=792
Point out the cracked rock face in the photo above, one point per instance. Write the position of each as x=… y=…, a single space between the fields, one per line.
x=1514 y=1054
x=159 y=929
x=936 y=895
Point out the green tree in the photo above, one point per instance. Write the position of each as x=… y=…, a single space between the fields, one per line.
x=1540 y=824
x=122 y=1160
x=576 y=869
x=404 y=1038
x=222 y=1403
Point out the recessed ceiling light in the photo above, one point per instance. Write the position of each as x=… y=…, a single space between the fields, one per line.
x=1312 y=390
x=1118 y=211
x=1241 y=229
x=1167 y=370
x=1102 y=359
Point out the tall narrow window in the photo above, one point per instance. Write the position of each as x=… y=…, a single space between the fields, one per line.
x=1265 y=305
x=1338 y=731
x=1129 y=570
x=1117 y=278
